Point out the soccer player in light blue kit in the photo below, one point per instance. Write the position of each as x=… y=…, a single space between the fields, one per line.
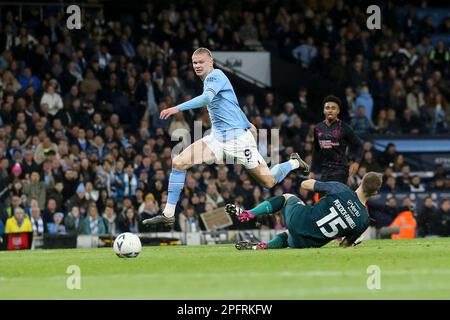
x=231 y=136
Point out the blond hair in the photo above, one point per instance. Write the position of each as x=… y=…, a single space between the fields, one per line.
x=202 y=50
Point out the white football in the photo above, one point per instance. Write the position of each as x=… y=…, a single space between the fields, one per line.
x=127 y=245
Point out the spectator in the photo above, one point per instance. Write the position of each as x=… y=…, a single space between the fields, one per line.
x=441 y=115
x=389 y=155
x=14 y=204
x=370 y=163
x=39 y=227
x=91 y=194
x=110 y=218
x=56 y=193
x=398 y=96
x=89 y=86
x=288 y=115
x=78 y=199
x=43 y=150
x=93 y=224
x=129 y=182
x=17 y=190
x=267 y=118
x=399 y=163
x=424 y=48
x=49 y=211
x=361 y=124
x=127 y=48
x=170 y=89
x=393 y=125
x=384 y=215
x=28 y=164
x=248 y=32
x=250 y=108
x=355 y=181
x=36 y=189
x=415 y=101
x=9 y=79
x=409 y=123
x=19 y=222
x=52 y=100
x=130 y=222
x=416 y=184
x=188 y=220
x=57 y=226
x=27 y=79
x=428 y=219
x=440 y=56
x=444 y=218
x=404 y=180
x=365 y=100
x=73 y=221
x=305 y=52
x=298 y=129
x=390 y=185
x=350 y=102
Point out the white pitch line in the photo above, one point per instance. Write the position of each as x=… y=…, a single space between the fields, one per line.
x=284 y=274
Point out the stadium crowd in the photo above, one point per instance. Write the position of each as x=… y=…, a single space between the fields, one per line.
x=83 y=148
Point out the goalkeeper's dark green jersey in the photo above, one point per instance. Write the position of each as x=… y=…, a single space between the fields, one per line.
x=339 y=214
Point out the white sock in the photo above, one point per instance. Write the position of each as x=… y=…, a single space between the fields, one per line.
x=169 y=210
x=294 y=163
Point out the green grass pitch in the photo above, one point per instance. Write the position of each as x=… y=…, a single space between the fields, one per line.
x=410 y=269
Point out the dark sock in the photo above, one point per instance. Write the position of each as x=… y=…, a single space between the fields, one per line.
x=279 y=241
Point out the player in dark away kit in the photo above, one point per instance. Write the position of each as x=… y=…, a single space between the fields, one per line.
x=340 y=214
x=331 y=138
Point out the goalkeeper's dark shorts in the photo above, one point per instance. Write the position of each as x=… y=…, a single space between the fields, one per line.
x=294 y=212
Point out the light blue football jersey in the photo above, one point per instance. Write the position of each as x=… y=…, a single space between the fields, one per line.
x=227 y=118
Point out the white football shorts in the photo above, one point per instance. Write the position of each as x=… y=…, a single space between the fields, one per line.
x=242 y=150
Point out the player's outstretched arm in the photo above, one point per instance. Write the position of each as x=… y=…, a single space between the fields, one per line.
x=308 y=184
x=197 y=102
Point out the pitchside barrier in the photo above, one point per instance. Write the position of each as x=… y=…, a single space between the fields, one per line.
x=152 y=239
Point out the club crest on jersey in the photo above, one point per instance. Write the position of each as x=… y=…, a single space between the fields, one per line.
x=336 y=133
